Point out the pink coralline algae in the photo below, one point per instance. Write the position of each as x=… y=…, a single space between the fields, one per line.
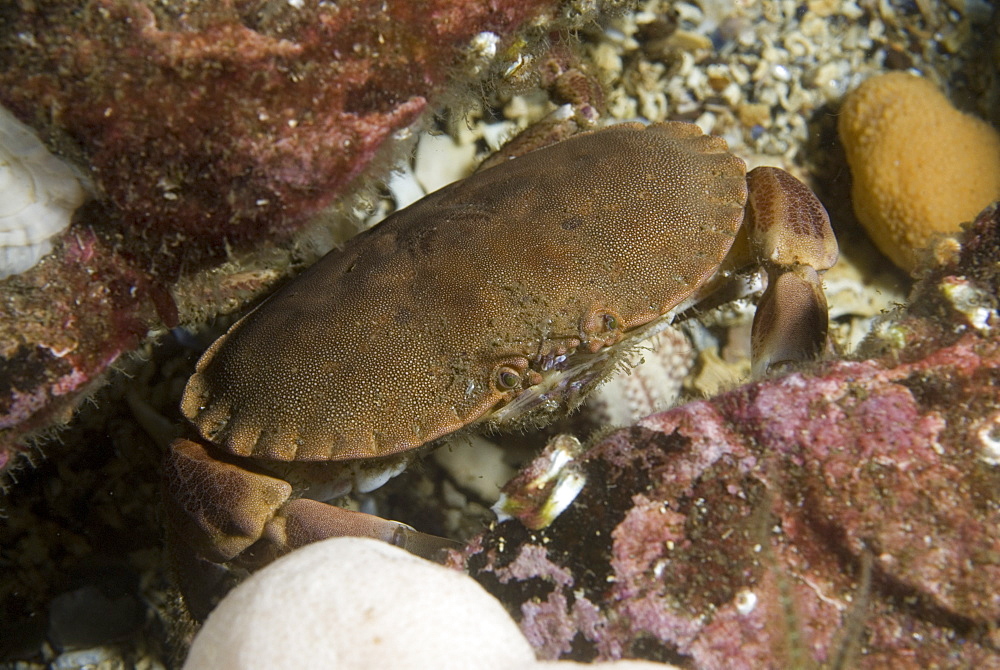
x=229 y=120
x=63 y=328
x=847 y=514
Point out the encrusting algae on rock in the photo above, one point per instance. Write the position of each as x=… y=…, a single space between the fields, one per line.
x=920 y=167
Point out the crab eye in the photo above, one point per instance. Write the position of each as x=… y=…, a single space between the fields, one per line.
x=507 y=378
x=611 y=322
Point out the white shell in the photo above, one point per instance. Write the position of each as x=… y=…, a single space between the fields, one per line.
x=38 y=195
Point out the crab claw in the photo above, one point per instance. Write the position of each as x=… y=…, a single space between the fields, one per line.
x=790 y=324
x=302 y=521
x=790 y=234
x=235 y=510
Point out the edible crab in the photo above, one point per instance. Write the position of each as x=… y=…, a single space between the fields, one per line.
x=499 y=300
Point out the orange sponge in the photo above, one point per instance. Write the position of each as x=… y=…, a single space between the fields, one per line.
x=920 y=167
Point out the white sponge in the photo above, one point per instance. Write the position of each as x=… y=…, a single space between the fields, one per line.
x=358 y=604
x=38 y=195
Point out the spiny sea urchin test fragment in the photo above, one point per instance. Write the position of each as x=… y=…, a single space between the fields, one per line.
x=500 y=300
x=38 y=195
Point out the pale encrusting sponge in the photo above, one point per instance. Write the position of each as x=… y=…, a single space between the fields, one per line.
x=920 y=167
x=349 y=603
x=38 y=195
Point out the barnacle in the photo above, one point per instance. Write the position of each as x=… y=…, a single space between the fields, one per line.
x=39 y=195
x=541 y=493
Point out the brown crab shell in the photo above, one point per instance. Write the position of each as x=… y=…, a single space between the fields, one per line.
x=412 y=330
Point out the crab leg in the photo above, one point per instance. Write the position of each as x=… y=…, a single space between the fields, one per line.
x=223 y=510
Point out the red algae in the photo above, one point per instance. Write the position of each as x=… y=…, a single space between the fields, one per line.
x=227 y=120
x=44 y=368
